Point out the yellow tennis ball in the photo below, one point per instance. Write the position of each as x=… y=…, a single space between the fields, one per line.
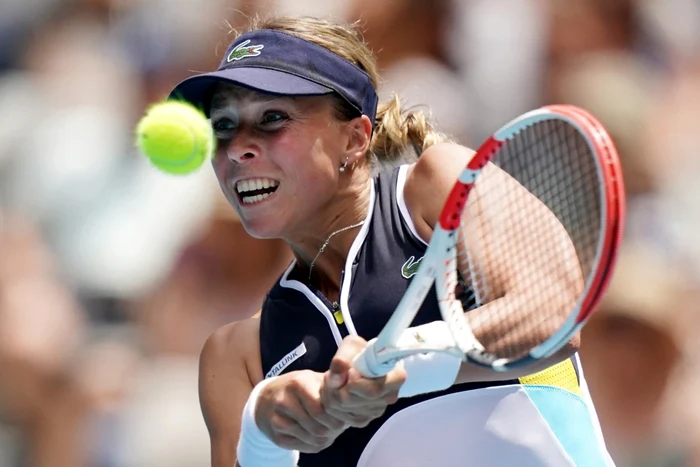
x=175 y=136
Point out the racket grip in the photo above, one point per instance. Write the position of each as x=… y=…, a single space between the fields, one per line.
x=369 y=365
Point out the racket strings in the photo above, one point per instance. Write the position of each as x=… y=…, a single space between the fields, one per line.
x=554 y=163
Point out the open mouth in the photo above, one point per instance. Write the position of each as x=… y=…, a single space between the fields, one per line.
x=255 y=190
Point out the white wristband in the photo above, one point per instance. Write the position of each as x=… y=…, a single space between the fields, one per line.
x=255 y=449
x=428 y=372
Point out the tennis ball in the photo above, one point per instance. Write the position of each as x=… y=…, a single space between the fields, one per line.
x=175 y=136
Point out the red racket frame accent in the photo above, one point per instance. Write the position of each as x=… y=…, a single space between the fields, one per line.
x=616 y=203
x=451 y=215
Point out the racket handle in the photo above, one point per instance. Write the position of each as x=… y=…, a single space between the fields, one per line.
x=368 y=363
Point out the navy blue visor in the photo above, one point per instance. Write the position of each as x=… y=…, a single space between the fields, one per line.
x=275 y=62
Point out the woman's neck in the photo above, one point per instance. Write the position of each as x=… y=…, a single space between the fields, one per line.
x=321 y=254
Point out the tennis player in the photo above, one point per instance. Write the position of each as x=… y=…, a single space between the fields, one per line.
x=307 y=154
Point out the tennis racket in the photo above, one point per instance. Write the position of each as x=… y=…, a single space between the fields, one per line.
x=554 y=172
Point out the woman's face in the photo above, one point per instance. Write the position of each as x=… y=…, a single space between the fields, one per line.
x=277 y=158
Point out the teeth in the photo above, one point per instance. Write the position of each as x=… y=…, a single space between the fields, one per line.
x=255 y=184
x=255 y=199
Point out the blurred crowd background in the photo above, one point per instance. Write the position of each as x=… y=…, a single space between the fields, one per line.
x=112 y=274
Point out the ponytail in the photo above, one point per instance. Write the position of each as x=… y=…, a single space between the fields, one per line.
x=400 y=135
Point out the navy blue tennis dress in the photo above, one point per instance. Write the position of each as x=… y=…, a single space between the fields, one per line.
x=540 y=420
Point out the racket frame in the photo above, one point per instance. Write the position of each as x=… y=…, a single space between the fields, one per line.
x=439 y=262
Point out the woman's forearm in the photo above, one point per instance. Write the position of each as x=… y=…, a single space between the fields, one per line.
x=514 y=324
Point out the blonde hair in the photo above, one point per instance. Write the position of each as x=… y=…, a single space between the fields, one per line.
x=400 y=135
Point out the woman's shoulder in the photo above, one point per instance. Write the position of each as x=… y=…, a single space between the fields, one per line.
x=430 y=179
x=439 y=160
x=236 y=344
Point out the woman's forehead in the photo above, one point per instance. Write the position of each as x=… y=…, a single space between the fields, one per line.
x=226 y=95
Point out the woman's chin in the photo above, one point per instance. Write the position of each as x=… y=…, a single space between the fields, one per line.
x=261 y=229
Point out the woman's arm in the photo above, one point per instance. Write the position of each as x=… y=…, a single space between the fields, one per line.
x=225 y=382
x=288 y=413
x=498 y=207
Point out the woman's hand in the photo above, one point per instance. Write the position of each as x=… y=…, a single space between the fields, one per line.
x=290 y=412
x=352 y=398
x=306 y=411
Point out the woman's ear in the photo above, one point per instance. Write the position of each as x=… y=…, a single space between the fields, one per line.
x=359 y=136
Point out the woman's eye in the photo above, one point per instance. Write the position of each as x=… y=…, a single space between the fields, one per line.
x=274 y=117
x=224 y=125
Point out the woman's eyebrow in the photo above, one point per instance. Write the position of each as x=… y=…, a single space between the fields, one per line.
x=218 y=101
